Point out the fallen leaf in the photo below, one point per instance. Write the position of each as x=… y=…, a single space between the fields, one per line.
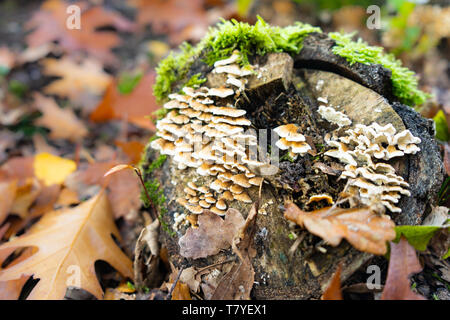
x=25 y=197
x=49 y=24
x=76 y=79
x=403 y=263
x=191 y=16
x=73 y=239
x=123 y=186
x=10 y=290
x=52 y=169
x=238 y=282
x=134 y=107
x=133 y=149
x=18 y=168
x=362 y=228
x=63 y=123
x=7 y=195
x=333 y=291
x=212 y=235
x=181 y=292
x=67 y=198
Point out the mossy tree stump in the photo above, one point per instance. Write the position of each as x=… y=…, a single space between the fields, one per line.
x=287 y=93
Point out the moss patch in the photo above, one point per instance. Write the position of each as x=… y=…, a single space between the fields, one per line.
x=404 y=81
x=220 y=42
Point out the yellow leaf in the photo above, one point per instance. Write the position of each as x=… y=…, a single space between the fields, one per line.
x=52 y=169
x=68 y=244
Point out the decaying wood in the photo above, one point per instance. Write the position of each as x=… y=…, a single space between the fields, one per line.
x=288 y=93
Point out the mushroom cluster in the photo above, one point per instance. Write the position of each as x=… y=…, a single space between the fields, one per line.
x=203 y=130
x=332 y=115
x=362 y=149
x=291 y=139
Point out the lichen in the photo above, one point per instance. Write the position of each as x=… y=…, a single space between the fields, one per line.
x=404 y=81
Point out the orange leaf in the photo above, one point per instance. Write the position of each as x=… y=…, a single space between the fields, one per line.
x=181 y=292
x=133 y=149
x=69 y=243
x=333 y=291
x=191 y=16
x=361 y=227
x=63 y=123
x=49 y=24
x=134 y=107
x=402 y=264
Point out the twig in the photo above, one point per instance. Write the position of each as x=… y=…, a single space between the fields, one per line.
x=169 y=295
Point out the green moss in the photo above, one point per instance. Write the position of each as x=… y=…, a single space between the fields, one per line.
x=195 y=81
x=258 y=39
x=174 y=68
x=219 y=44
x=404 y=81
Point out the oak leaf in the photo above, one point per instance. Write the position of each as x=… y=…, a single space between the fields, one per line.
x=49 y=24
x=361 y=227
x=134 y=107
x=67 y=240
x=63 y=123
x=403 y=263
x=76 y=79
x=7 y=195
x=212 y=235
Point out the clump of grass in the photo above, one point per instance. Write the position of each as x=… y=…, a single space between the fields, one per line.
x=404 y=81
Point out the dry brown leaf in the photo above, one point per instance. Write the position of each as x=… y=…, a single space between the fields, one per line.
x=181 y=292
x=191 y=18
x=362 y=228
x=212 y=235
x=133 y=149
x=403 y=263
x=10 y=290
x=7 y=195
x=77 y=79
x=238 y=282
x=333 y=291
x=123 y=186
x=67 y=240
x=134 y=107
x=25 y=197
x=18 y=168
x=63 y=123
x=67 y=198
x=49 y=24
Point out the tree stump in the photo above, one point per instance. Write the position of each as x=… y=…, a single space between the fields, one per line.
x=287 y=92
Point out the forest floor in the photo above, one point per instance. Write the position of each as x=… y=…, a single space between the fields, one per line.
x=79 y=105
